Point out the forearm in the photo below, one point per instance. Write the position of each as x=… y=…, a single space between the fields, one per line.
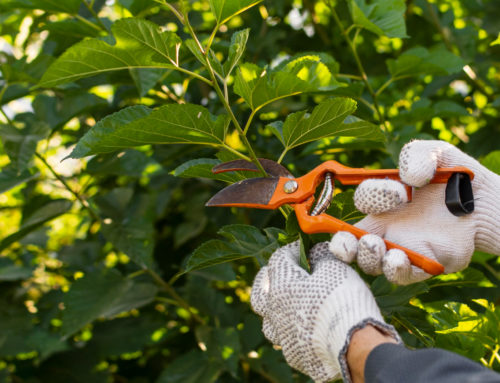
x=362 y=343
x=390 y=363
x=374 y=357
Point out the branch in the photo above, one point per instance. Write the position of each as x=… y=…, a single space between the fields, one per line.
x=283 y=153
x=221 y=96
x=84 y=202
x=93 y=12
x=195 y=75
x=249 y=121
x=170 y=291
x=361 y=69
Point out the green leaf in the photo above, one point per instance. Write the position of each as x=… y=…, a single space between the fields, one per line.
x=81 y=363
x=9 y=271
x=15 y=323
x=390 y=298
x=212 y=57
x=236 y=50
x=170 y=124
x=73 y=28
x=20 y=144
x=382 y=17
x=305 y=73
x=356 y=127
x=14 y=92
x=223 y=10
x=130 y=163
x=193 y=47
x=57 y=112
x=424 y=110
x=130 y=223
x=496 y=41
x=304 y=247
x=272 y=365
x=422 y=61
x=145 y=78
x=276 y=129
x=223 y=346
x=102 y=294
x=66 y=6
x=138 y=44
x=343 y=208
x=215 y=63
x=125 y=335
x=46 y=343
x=193 y=367
x=40 y=216
x=241 y=241
x=492 y=161
x=101 y=138
x=10 y=178
x=327 y=119
x=134 y=238
x=137 y=6
x=447 y=108
x=202 y=168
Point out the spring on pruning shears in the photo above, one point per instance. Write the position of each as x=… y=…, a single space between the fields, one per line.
x=325 y=198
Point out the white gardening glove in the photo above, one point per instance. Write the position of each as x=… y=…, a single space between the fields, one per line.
x=424 y=225
x=312 y=316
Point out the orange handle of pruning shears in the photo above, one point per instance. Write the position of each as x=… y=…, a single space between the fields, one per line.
x=347 y=176
x=325 y=223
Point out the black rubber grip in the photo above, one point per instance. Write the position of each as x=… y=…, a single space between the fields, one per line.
x=459 y=197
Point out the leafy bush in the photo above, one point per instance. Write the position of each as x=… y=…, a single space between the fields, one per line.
x=112 y=268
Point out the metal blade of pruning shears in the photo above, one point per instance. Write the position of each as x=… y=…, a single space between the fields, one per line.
x=256 y=192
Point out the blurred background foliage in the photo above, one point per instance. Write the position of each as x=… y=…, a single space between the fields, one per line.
x=93 y=251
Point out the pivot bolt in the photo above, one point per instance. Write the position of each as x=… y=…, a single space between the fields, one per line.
x=290 y=186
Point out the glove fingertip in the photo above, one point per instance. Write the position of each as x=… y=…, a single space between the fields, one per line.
x=344 y=246
x=418 y=161
x=375 y=196
x=371 y=250
x=396 y=266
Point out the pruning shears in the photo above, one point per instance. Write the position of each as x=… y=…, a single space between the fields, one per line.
x=281 y=187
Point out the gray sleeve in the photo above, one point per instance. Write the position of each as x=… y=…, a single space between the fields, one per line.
x=389 y=363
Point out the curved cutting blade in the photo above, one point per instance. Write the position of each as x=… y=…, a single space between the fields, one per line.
x=252 y=192
x=271 y=167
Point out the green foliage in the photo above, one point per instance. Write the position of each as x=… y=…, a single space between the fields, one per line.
x=111 y=267
x=137 y=44
x=303 y=74
x=243 y=241
x=420 y=60
x=327 y=119
x=385 y=18
x=137 y=125
x=102 y=294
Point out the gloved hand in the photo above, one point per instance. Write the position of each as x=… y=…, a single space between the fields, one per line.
x=312 y=316
x=424 y=225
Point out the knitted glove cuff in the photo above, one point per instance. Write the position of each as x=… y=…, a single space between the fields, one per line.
x=381 y=326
